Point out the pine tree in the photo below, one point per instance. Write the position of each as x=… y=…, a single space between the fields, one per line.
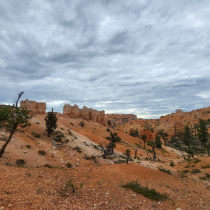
x=127 y=154
x=187 y=137
x=51 y=122
x=203 y=131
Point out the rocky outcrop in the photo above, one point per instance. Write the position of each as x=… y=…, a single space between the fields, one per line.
x=84 y=113
x=33 y=106
x=148 y=133
x=118 y=119
x=71 y=111
x=178 y=110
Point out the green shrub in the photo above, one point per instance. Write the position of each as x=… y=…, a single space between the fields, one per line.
x=72 y=124
x=95 y=147
x=20 y=162
x=119 y=161
x=58 y=139
x=165 y=170
x=40 y=152
x=66 y=140
x=172 y=164
x=202 y=178
x=37 y=123
x=185 y=171
x=65 y=190
x=48 y=166
x=69 y=165
x=149 y=150
x=36 y=135
x=28 y=146
x=82 y=123
x=78 y=149
x=195 y=171
x=206 y=166
x=151 y=194
x=197 y=161
x=108 y=129
x=207 y=175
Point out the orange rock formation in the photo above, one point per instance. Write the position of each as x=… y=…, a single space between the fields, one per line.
x=118 y=119
x=148 y=133
x=33 y=106
x=84 y=113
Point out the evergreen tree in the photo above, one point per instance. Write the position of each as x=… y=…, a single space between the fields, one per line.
x=144 y=138
x=158 y=141
x=203 y=131
x=113 y=138
x=51 y=122
x=187 y=137
x=127 y=155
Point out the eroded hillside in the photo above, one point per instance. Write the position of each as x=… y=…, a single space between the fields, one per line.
x=42 y=181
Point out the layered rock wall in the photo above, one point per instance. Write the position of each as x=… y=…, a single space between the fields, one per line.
x=33 y=106
x=118 y=119
x=84 y=113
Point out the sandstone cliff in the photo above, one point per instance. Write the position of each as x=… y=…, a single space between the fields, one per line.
x=118 y=119
x=84 y=113
x=33 y=106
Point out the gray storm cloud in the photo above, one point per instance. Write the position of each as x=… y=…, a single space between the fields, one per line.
x=142 y=57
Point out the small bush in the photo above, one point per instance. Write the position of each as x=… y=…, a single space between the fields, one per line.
x=20 y=162
x=69 y=165
x=90 y=158
x=185 y=171
x=151 y=194
x=28 y=146
x=40 y=152
x=202 y=178
x=165 y=170
x=195 y=171
x=206 y=166
x=207 y=175
x=95 y=147
x=72 y=124
x=197 y=161
x=66 y=140
x=78 y=149
x=48 y=166
x=65 y=190
x=36 y=135
x=82 y=123
x=108 y=129
x=119 y=161
x=58 y=139
x=172 y=164
x=37 y=123
x=149 y=150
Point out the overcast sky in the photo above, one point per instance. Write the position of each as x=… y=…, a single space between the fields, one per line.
x=146 y=57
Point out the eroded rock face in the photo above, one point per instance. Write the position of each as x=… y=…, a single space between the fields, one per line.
x=118 y=119
x=33 y=106
x=84 y=113
x=71 y=111
x=148 y=133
